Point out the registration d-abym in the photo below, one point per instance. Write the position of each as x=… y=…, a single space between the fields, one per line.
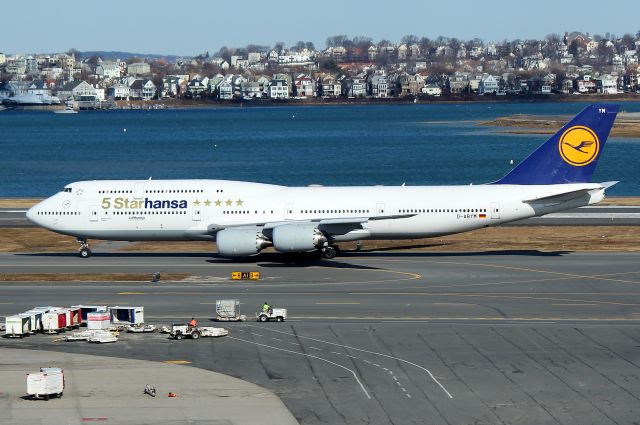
x=244 y=218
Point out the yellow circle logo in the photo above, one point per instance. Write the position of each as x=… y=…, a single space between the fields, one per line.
x=579 y=146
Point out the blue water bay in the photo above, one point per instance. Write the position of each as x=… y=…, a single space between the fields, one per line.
x=329 y=145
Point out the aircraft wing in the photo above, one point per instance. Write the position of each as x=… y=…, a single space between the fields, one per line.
x=329 y=226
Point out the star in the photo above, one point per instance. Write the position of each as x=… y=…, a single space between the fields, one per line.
x=207 y=203
x=239 y=202
x=218 y=202
x=228 y=202
x=196 y=203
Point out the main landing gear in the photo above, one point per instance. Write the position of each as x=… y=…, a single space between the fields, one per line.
x=330 y=251
x=84 y=251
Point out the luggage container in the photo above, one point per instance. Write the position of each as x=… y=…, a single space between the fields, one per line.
x=73 y=317
x=98 y=321
x=46 y=383
x=36 y=320
x=17 y=326
x=54 y=321
x=228 y=310
x=86 y=309
x=126 y=315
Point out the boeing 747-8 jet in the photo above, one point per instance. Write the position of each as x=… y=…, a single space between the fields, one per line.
x=244 y=218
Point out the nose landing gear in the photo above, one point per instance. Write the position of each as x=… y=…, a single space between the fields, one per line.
x=84 y=251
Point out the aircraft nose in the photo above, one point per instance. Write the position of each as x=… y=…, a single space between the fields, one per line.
x=32 y=214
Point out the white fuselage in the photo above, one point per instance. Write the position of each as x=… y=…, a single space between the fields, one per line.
x=196 y=209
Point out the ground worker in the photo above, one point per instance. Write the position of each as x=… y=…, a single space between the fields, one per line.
x=193 y=323
x=266 y=308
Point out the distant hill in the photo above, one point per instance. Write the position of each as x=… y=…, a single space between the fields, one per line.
x=126 y=55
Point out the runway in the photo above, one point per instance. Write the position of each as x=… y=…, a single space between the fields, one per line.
x=402 y=338
x=584 y=216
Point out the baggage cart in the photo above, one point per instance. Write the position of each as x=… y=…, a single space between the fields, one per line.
x=49 y=382
x=54 y=321
x=126 y=315
x=86 y=309
x=74 y=319
x=36 y=320
x=98 y=320
x=228 y=311
x=17 y=326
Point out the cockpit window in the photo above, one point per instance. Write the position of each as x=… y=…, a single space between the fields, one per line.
x=67 y=189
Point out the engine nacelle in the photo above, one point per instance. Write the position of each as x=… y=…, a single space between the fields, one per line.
x=240 y=242
x=297 y=237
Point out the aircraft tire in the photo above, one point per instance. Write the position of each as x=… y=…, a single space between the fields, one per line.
x=329 y=252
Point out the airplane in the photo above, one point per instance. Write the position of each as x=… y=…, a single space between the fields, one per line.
x=244 y=218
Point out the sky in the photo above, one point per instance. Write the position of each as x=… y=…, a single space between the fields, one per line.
x=172 y=27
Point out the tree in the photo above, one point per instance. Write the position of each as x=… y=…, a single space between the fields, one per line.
x=330 y=66
x=573 y=48
x=336 y=40
x=279 y=46
x=300 y=45
x=410 y=39
x=309 y=46
x=74 y=52
x=628 y=42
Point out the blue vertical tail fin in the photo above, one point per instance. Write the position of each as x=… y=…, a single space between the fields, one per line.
x=570 y=155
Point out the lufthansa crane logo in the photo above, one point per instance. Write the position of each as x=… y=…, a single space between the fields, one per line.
x=579 y=146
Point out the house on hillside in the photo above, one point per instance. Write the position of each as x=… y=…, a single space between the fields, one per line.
x=138 y=68
x=488 y=85
x=279 y=89
x=305 y=86
x=77 y=90
x=378 y=85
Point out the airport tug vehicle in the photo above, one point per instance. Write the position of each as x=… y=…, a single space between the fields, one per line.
x=274 y=314
x=180 y=331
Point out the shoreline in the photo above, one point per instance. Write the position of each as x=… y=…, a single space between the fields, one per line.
x=177 y=104
x=626 y=124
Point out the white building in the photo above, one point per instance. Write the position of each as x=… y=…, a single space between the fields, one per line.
x=278 y=89
x=488 y=84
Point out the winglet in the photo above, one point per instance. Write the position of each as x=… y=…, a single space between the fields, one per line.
x=570 y=155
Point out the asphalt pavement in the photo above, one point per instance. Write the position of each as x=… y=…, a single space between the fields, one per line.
x=402 y=338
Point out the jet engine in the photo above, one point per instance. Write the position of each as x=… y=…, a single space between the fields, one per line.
x=240 y=242
x=297 y=237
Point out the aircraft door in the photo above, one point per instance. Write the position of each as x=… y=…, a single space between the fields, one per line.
x=379 y=210
x=195 y=215
x=138 y=190
x=288 y=212
x=93 y=213
x=495 y=210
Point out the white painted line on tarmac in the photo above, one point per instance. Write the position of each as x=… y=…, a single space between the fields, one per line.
x=311 y=356
x=294 y=343
x=276 y=339
x=367 y=361
x=314 y=348
x=376 y=365
x=433 y=378
x=257 y=334
x=408 y=395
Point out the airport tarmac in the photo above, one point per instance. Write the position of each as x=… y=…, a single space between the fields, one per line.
x=585 y=216
x=403 y=338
